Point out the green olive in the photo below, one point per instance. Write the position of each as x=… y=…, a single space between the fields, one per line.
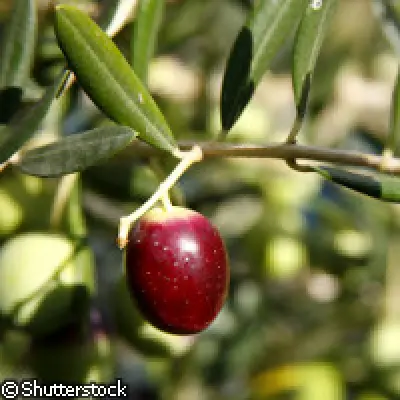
x=45 y=281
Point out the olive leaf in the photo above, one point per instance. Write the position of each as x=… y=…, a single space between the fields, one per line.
x=108 y=79
x=115 y=14
x=24 y=123
x=267 y=27
x=148 y=20
x=76 y=152
x=379 y=186
x=394 y=130
x=18 y=44
x=307 y=45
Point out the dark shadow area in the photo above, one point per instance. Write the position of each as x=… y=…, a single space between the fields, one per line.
x=10 y=103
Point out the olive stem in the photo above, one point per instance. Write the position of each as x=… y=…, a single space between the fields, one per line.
x=187 y=159
x=61 y=198
x=12 y=160
x=281 y=151
x=4 y=165
x=291 y=139
x=387 y=156
x=166 y=201
x=175 y=193
x=221 y=136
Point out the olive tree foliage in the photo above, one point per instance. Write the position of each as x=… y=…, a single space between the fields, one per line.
x=295 y=107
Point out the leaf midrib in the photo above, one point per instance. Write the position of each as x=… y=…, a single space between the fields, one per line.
x=51 y=152
x=266 y=34
x=106 y=71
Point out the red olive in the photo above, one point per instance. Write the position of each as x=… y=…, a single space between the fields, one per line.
x=177 y=269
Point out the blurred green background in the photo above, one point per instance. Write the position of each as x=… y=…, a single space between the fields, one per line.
x=313 y=311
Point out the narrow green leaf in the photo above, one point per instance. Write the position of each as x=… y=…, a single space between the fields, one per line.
x=18 y=44
x=148 y=20
x=267 y=27
x=108 y=79
x=69 y=217
x=25 y=123
x=115 y=14
x=379 y=186
x=390 y=188
x=77 y=152
x=308 y=42
x=394 y=131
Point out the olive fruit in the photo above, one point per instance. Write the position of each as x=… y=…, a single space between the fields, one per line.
x=46 y=281
x=177 y=269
